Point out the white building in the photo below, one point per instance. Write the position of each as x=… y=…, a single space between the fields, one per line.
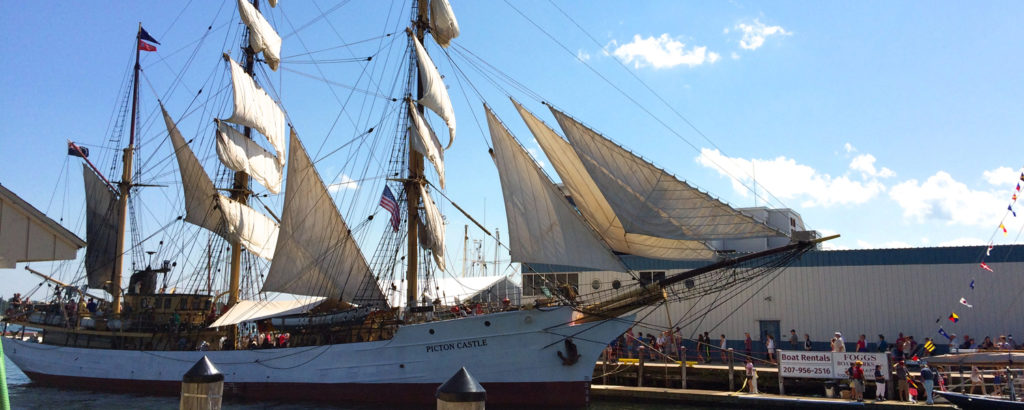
x=870 y=291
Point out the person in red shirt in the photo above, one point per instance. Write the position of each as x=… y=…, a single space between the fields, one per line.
x=862 y=344
x=858 y=380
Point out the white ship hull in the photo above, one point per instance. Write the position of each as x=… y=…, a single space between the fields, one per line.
x=514 y=355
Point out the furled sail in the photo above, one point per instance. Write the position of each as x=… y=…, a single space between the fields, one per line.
x=425 y=141
x=207 y=208
x=435 y=94
x=650 y=201
x=596 y=209
x=316 y=254
x=543 y=226
x=262 y=36
x=435 y=228
x=101 y=216
x=443 y=25
x=254 y=108
x=242 y=154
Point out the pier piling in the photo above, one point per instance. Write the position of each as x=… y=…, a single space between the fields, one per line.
x=461 y=392
x=732 y=369
x=202 y=387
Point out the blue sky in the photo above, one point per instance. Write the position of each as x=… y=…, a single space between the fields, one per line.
x=891 y=123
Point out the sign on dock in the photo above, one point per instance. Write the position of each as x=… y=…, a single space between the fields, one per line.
x=827 y=365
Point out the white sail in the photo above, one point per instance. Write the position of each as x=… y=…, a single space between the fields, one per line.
x=435 y=228
x=596 y=209
x=255 y=109
x=262 y=36
x=443 y=25
x=101 y=216
x=316 y=254
x=242 y=154
x=200 y=195
x=650 y=201
x=435 y=94
x=219 y=214
x=543 y=226
x=425 y=141
x=255 y=231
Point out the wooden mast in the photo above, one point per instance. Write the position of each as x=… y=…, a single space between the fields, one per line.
x=240 y=188
x=124 y=187
x=412 y=184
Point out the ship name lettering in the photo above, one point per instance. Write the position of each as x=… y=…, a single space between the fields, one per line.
x=465 y=344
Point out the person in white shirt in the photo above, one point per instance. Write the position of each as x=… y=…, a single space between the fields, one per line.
x=839 y=345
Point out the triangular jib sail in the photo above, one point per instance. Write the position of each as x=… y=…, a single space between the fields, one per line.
x=650 y=201
x=316 y=253
x=596 y=209
x=543 y=226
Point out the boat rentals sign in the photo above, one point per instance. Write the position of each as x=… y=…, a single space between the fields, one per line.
x=827 y=365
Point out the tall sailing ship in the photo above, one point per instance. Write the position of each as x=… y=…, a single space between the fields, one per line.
x=340 y=334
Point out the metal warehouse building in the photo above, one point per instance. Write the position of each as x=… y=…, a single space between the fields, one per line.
x=876 y=291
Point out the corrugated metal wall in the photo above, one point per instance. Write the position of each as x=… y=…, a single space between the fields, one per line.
x=858 y=292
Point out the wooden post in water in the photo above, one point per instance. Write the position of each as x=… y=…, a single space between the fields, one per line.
x=202 y=387
x=682 y=367
x=640 y=366
x=890 y=382
x=732 y=384
x=461 y=392
x=782 y=387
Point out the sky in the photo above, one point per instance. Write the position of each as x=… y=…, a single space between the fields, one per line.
x=893 y=124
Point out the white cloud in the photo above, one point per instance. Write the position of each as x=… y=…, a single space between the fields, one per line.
x=865 y=163
x=942 y=198
x=755 y=33
x=786 y=179
x=662 y=52
x=849 y=148
x=1001 y=176
x=734 y=55
x=344 y=182
x=582 y=55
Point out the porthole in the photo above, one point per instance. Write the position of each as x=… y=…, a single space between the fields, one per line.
x=431 y=331
x=596 y=284
x=487 y=323
x=616 y=284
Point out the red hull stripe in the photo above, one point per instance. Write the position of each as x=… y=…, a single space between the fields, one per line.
x=559 y=394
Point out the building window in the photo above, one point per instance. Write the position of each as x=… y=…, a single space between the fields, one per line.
x=651 y=276
x=546 y=284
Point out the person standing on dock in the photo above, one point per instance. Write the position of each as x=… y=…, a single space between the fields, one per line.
x=769 y=346
x=794 y=340
x=882 y=344
x=722 y=348
x=902 y=389
x=862 y=344
x=808 y=346
x=928 y=377
x=976 y=380
x=751 y=374
x=879 y=383
x=838 y=344
x=748 y=344
x=857 y=374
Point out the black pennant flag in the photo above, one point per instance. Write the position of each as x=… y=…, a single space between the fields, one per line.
x=143 y=35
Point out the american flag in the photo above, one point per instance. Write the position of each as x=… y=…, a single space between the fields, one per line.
x=387 y=201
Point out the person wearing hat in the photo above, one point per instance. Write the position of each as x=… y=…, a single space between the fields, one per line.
x=857 y=374
x=838 y=344
x=902 y=388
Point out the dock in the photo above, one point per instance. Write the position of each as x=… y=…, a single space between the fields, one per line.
x=710 y=385
x=713 y=398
